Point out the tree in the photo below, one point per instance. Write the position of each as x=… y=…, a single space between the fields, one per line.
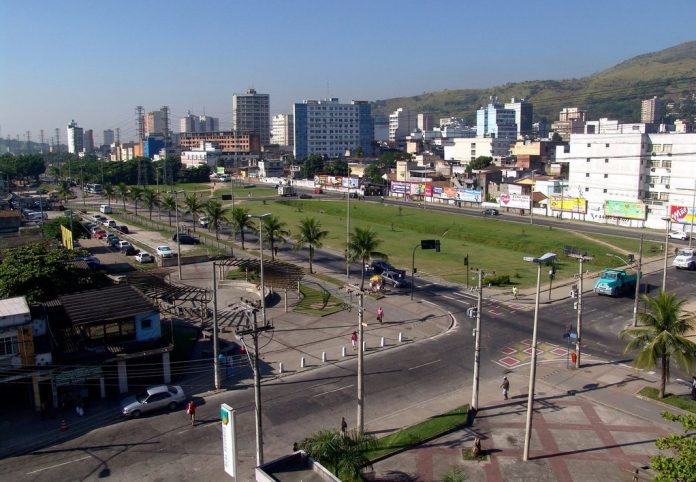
x=310 y=235
x=42 y=272
x=109 y=191
x=274 y=231
x=64 y=191
x=193 y=206
x=168 y=203
x=122 y=190
x=481 y=162
x=311 y=166
x=363 y=246
x=51 y=228
x=151 y=199
x=373 y=174
x=556 y=137
x=345 y=456
x=682 y=465
x=216 y=215
x=136 y=195
x=240 y=221
x=661 y=337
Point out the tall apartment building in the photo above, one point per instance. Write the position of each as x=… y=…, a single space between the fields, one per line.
x=496 y=121
x=651 y=111
x=571 y=120
x=425 y=122
x=88 y=141
x=523 y=116
x=283 y=130
x=196 y=123
x=401 y=123
x=327 y=127
x=108 y=137
x=157 y=122
x=75 y=138
x=251 y=114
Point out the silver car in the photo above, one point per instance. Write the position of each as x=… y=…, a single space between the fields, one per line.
x=154 y=398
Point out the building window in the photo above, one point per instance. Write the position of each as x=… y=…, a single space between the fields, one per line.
x=604 y=191
x=667 y=164
x=606 y=161
x=146 y=324
x=587 y=189
x=587 y=174
x=664 y=196
x=606 y=176
x=589 y=145
x=606 y=145
x=588 y=160
x=8 y=345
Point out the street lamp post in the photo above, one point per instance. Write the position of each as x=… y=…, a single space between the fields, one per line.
x=543 y=260
x=531 y=201
x=477 y=344
x=260 y=217
x=348 y=227
x=581 y=258
x=178 y=242
x=667 y=219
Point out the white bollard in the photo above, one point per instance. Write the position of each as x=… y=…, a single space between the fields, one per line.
x=381 y=342
x=302 y=362
x=364 y=346
x=280 y=367
x=343 y=351
x=323 y=357
x=401 y=337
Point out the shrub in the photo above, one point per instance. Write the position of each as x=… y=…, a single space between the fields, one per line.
x=497 y=280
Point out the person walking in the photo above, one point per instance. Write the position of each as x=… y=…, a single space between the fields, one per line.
x=344 y=426
x=514 y=292
x=693 y=388
x=506 y=387
x=191 y=411
x=354 y=339
x=380 y=315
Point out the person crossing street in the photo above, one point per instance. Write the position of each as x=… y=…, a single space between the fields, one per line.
x=380 y=315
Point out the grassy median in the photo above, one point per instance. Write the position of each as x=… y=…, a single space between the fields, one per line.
x=680 y=401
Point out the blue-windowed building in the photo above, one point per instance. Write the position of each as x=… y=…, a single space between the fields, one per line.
x=152 y=146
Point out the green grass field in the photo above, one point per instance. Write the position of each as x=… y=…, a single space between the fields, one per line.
x=491 y=244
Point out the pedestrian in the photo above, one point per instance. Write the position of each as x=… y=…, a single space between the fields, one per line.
x=275 y=250
x=514 y=292
x=505 y=386
x=354 y=339
x=693 y=388
x=380 y=315
x=191 y=411
x=344 y=426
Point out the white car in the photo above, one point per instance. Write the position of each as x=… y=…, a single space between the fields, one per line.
x=153 y=398
x=685 y=259
x=144 y=258
x=683 y=235
x=165 y=251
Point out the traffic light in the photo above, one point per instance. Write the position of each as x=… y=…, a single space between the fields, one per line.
x=428 y=243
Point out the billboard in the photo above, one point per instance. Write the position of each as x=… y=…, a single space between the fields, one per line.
x=626 y=210
x=568 y=204
x=397 y=186
x=469 y=195
x=350 y=182
x=518 y=201
x=229 y=439
x=66 y=237
x=681 y=214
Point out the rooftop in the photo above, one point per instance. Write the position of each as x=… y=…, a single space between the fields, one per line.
x=117 y=302
x=13 y=307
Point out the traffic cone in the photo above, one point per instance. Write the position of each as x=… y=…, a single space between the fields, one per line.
x=63 y=426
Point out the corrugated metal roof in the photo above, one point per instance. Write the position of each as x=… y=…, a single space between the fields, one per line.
x=120 y=301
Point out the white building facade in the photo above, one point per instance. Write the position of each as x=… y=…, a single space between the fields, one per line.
x=75 y=138
x=465 y=149
x=401 y=123
x=283 y=130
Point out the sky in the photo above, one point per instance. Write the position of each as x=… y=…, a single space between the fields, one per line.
x=94 y=61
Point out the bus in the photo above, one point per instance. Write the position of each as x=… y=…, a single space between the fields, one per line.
x=93 y=188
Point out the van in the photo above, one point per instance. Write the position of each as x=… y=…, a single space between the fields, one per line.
x=105 y=208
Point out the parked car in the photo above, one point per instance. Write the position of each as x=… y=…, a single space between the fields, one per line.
x=203 y=221
x=379 y=265
x=123 y=229
x=164 y=251
x=685 y=259
x=395 y=278
x=144 y=257
x=130 y=250
x=490 y=212
x=100 y=218
x=318 y=190
x=95 y=228
x=124 y=244
x=683 y=235
x=110 y=223
x=99 y=234
x=114 y=241
x=305 y=196
x=109 y=237
x=153 y=398
x=186 y=239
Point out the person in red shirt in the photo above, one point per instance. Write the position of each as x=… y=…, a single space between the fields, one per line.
x=191 y=410
x=380 y=315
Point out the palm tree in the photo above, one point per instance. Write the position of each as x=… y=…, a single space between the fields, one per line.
x=151 y=199
x=240 y=221
x=193 y=206
x=311 y=235
x=363 y=246
x=109 y=192
x=661 y=336
x=274 y=231
x=168 y=202
x=122 y=193
x=345 y=456
x=216 y=215
x=64 y=191
x=136 y=194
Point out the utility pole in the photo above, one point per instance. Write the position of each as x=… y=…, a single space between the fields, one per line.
x=581 y=258
x=638 y=274
x=348 y=230
x=216 y=362
x=477 y=345
x=361 y=368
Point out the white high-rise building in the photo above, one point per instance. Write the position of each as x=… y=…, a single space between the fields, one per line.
x=283 y=130
x=401 y=123
x=651 y=111
x=251 y=114
x=75 y=138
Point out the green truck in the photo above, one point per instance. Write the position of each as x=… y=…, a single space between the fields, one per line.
x=616 y=282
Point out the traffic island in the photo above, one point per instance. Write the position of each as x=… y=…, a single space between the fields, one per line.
x=682 y=402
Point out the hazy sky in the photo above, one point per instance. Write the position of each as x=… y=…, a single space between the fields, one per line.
x=94 y=61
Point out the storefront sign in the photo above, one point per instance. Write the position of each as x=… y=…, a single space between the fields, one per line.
x=229 y=439
x=77 y=376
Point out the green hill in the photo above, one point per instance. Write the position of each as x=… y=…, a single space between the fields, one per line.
x=615 y=92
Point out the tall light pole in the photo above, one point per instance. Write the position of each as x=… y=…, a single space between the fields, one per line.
x=178 y=242
x=581 y=258
x=261 y=217
x=348 y=228
x=667 y=219
x=477 y=344
x=531 y=200
x=639 y=267
x=216 y=362
x=543 y=260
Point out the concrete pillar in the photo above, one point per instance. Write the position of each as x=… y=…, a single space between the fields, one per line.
x=122 y=377
x=102 y=387
x=166 y=368
x=37 y=392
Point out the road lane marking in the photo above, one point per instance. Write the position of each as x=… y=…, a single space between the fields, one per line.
x=331 y=391
x=455 y=299
x=58 y=465
x=424 y=364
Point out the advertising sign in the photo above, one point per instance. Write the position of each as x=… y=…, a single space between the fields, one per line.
x=416 y=189
x=568 y=204
x=681 y=214
x=397 y=186
x=66 y=237
x=350 y=182
x=220 y=169
x=229 y=439
x=518 y=201
x=623 y=209
x=437 y=191
x=77 y=376
x=469 y=195
x=429 y=190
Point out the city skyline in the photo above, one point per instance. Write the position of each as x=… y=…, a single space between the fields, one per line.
x=85 y=62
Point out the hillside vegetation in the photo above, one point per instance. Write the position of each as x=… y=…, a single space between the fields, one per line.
x=615 y=92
